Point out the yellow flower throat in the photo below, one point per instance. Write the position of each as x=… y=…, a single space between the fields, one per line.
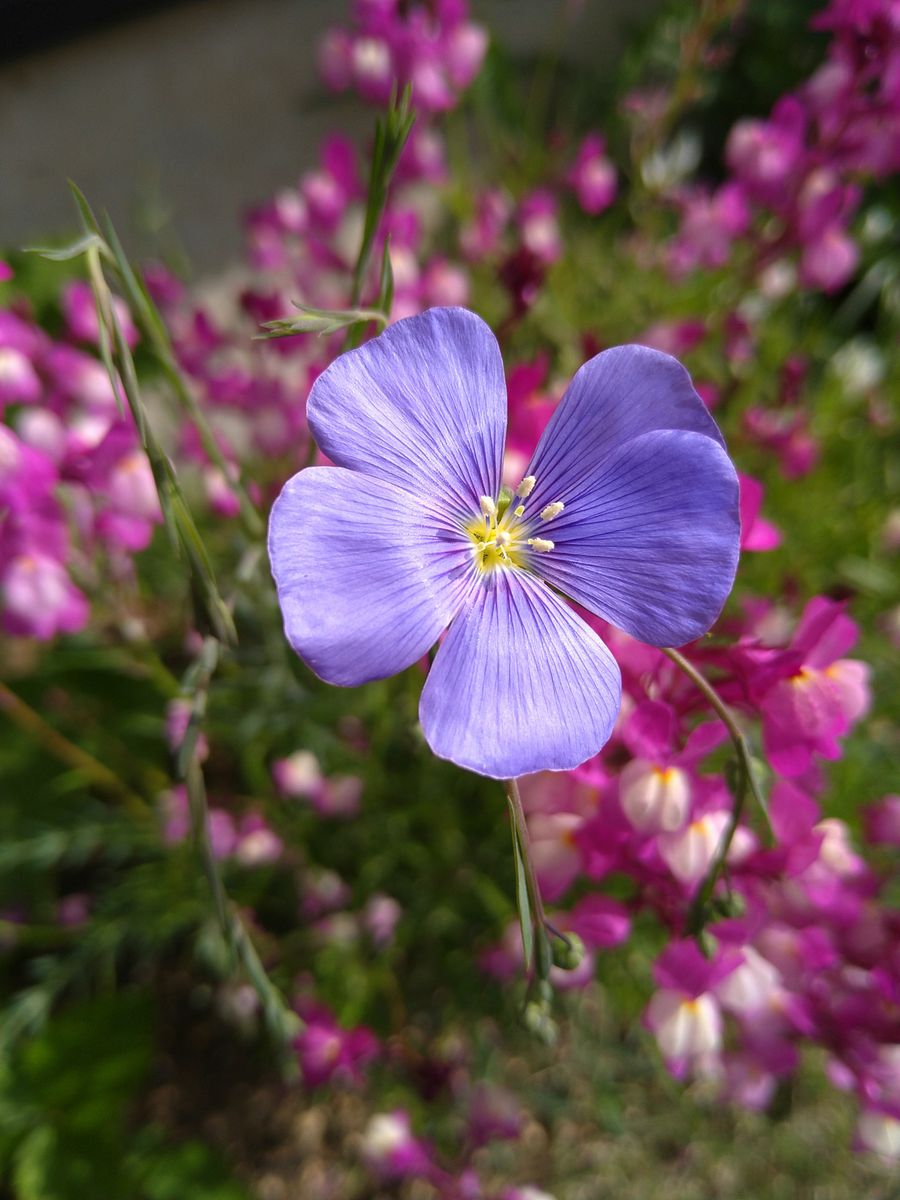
x=499 y=535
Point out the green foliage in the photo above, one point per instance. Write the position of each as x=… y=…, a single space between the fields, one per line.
x=67 y=1100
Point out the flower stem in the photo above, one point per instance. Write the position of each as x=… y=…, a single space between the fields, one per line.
x=533 y=916
x=728 y=720
x=745 y=781
x=281 y=1021
x=73 y=756
x=697 y=913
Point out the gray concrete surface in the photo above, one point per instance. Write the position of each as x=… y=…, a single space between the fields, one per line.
x=184 y=118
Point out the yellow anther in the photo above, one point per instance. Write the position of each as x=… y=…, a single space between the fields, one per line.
x=519 y=510
x=526 y=487
x=542 y=545
x=549 y=511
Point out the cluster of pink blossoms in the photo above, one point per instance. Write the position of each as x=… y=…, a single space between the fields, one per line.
x=303 y=243
x=76 y=492
x=433 y=47
x=805 y=949
x=796 y=177
x=804 y=952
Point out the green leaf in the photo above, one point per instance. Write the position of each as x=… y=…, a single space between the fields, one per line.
x=386 y=283
x=64 y=253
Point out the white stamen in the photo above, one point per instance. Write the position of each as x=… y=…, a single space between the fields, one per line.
x=503 y=538
x=526 y=487
x=488 y=506
x=519 y=510
x=542 y=545
x=549 y=511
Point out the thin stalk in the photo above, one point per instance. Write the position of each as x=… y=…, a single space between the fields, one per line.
x=281 y=1021
x=745 y=781
x=536 y=915
x=199 y=810
x=520 y=825
x=696 y=918
x=73 y=756
x=728 y=720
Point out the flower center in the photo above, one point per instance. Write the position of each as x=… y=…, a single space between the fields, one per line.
x=499 y=534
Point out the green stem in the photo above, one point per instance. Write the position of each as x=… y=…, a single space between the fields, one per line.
x=543 y=956
x=728 y=720
x=746 y=781
x=281 y=1021
x=696 y=918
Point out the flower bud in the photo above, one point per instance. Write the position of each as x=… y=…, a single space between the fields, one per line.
x=537 y=1020
x=568 y=952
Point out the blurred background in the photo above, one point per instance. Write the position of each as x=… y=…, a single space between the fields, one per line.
x=183 y=115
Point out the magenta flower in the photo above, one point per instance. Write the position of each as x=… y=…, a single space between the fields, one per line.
x=629 y=506
x=326 y=1051
x=592 y=176
x=820 y=693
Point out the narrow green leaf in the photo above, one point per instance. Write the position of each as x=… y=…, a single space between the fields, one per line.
x=386 y=283
x=84 y=209
x=72 y=250
x=526 y=924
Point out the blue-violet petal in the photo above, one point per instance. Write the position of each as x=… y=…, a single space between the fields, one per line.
x=367 y=577
x=649 y=540
x=617 y=395
x=521 y=683
x=422 y=406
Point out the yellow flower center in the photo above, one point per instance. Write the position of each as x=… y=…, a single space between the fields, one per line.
x=499 y=534
x=497 y=543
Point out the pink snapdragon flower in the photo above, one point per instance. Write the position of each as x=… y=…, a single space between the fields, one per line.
x=256 y=844
x=391 y=1150
x=830 y=260
x=380 y=918
x=689 y=852
x=19 y=381
x=39 y=599
x=80 y=313
x=298 y=775
x=656 y=787
x=765 y=155
x=685 y=1015
x=538 y=222
x=820 y=694
x=592 y=176
x=328 y=1053
x=600 y=921
x=756 y=532
x=882 y=822
x=434 y=48
x=481 y=237
x=711 y=222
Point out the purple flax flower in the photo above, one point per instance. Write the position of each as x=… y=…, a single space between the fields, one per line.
x=629 y=506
